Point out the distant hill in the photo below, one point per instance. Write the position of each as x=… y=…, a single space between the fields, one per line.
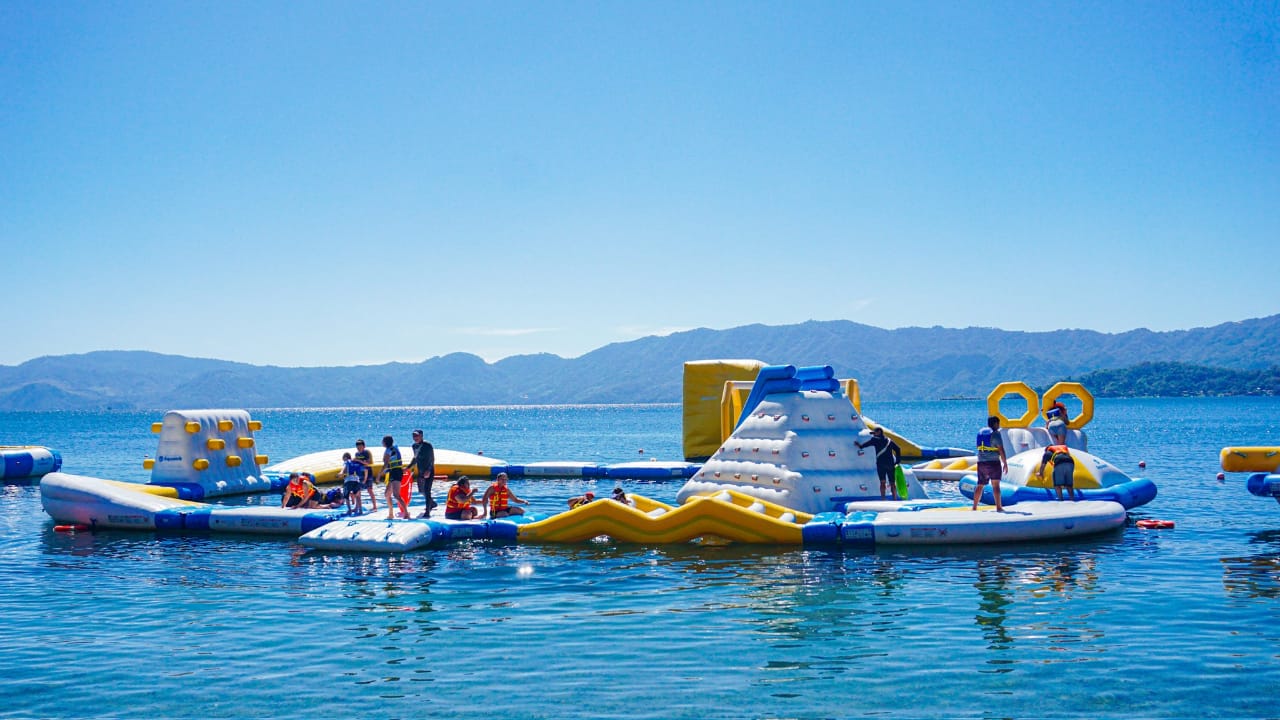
x=1168 y=379
x=902 y=364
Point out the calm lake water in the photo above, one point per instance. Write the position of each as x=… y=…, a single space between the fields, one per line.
x=1136 y=623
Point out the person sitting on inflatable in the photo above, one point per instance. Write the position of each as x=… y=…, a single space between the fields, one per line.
x=458 y=505
x=301 y=493
x=498 y=498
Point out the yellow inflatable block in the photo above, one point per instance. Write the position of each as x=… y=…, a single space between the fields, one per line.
x=703 y=390
x=1250 y=459
x=724 y=515
x=1083 y=477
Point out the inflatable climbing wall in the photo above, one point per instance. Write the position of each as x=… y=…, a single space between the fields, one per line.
x=204 y=453
x=795 y=446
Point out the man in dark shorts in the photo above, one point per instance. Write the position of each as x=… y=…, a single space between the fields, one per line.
x=423 y=466
x=992 y=463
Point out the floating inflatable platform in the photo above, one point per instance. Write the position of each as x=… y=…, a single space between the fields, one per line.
x=98 y=503
x=1250 y=459
x=1094 y=478
x=27 y=462
x=732 y=516
x=326 y=468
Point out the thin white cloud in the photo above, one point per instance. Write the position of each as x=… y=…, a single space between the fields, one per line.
x=501 y=332
x=632 y=331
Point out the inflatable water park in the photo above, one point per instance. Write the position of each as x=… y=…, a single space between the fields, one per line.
x=774 y=454
x=1263 y=464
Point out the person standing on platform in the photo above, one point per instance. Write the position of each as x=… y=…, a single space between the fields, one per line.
x=992 y=463
x=393 y=471
x=365 y=458
x=1056 y=424
x=887 y=456
x=423 y=466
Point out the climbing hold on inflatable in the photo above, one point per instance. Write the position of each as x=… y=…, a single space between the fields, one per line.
x=1155 y=524
x=1020 y=389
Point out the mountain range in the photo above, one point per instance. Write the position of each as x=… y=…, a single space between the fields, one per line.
x=902 y=364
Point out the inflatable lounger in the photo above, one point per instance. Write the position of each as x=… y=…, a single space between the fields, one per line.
x=23 y=462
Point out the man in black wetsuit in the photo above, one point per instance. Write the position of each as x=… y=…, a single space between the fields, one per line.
x=887 y=456
x=424 y=468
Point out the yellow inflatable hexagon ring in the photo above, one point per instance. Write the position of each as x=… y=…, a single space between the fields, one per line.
x=1072 y=388
x=1022 y=390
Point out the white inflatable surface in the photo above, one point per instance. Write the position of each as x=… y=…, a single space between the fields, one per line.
x=1024 y=521
x=797 y=449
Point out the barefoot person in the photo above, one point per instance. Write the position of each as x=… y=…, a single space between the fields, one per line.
x=393 y=471
x=992 y=463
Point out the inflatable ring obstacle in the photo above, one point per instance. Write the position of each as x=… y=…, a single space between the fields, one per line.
x=1022 y=390
x=1071 y=388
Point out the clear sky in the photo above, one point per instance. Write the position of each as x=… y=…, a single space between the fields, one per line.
x=339 y=183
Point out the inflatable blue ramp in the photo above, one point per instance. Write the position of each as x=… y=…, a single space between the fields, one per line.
x=788 y=379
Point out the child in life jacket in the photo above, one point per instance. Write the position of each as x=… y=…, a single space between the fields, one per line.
x=351 y=472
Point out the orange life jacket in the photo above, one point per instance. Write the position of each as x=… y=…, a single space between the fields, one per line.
x=500 y=499
x=458 y=500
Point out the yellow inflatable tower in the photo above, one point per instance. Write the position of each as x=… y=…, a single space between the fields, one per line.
x=704 y=386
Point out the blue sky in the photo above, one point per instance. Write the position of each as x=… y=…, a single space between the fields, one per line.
x=351 y=183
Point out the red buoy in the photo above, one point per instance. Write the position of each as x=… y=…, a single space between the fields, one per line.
x=70 y=528
x=1221 y=477
x=1155 y=524
x=1142 y=463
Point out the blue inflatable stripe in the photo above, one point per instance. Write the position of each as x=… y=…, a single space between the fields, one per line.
x=186 y=491
x=171 y=519
x=197 y=519
x=943 y=452
x=57 y=460
x=1131 y=494
x=1264 y=484
x=815 y=372
x=18 y=465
